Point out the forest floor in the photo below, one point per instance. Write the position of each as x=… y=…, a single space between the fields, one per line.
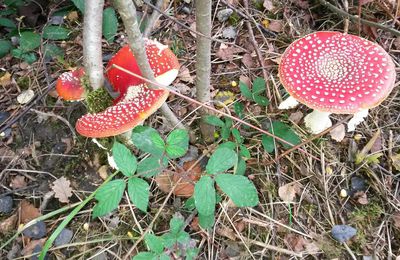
x=355 y=182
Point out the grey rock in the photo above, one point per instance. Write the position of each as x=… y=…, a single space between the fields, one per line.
x=224 y=14
x=6 y=204
x=229 y=33
x=36 y=250
x=342 y=233
x=64 y=237
x=36 y=231
x=358 y=184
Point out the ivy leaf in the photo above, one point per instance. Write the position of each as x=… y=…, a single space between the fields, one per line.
x=53 y=32
x=221 y=160
x=125 y=160
x=204 y=196
x=238 y=188
x=214 y=120
x=139 y=192
x=110 y=24
x=151 y=166
x=108 y=197
x=177 y=143
x=29 y=41
x=148 y=140
x=154 y=243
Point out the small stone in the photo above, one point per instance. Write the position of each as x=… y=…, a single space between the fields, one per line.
x=229 y=33
x=343 y=193
x=64 y=237
x=224 y=14
x=358 y=184
x=36 y=231
x=57 y=20
x=36 y=250
x=6 y=204
x=342 y=233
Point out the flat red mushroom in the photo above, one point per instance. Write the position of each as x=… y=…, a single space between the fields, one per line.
x=162 y=61
x=69 y=85
x=333 y=72
x=138 y=103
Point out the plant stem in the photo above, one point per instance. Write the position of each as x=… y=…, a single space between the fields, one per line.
x=92 y=31
x=153 y=19
x=203 y=63
x=127 y=11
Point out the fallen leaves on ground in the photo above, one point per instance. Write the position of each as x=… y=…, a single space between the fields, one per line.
x=184 y=75
x=226 y=52
x=28 y=212
x=8 y=224
x=224 y=97
x=62 y=189
x=295 y=242
x=296 y=117
x=396 y=161
x=276 y=25
x=268 y=5
x=18 y=182
x=225 y=231
x=288 y=191
x=338 y=133
x=396 y=220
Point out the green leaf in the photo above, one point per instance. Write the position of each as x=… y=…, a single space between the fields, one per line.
x=189 y=204
x=284 y=131
x=244 y=151
x=6 y=12
x=176 y=225
x=177 y=143
x=191 y=253
x=262 y=101
x=29 y=41
x=28 y=57
x=183 y=237
x=244 y=89
x=239 y=189
x=214 y=120
x=268 y=143
x=80 y=4
x=145 y=256
x=240 y=167
x=204 y=195
x=236 y=135
x=148 y=140
x=54 y=32
x=206 y=221
x=7 y=23
x=125 y=160
x=154 y=243
x=258 y=86
x=151 y=166
x=225 y=133
x=53 y=51
x=108 y=197
x=239 y=108
x=229 y=145
x=165 y=256
x=228 y=122
x=5 y=47
x=110 y=24
x=221 y=160
x=139 y=192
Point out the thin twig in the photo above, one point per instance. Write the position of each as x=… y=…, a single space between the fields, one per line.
x=65 y=121
x=153 y=19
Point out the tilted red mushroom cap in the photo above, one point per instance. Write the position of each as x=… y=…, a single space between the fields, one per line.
x=162 y=61
x=138 y=103
x=69 y=85
x=337 y=73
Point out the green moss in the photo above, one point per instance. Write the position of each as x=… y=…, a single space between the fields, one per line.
x=23 y=82
x=178 y=47
x=98 y=100
x=234 y=19
x=367 y=214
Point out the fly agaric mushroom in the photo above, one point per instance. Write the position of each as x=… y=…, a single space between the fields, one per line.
x=138 y=103
x=69 y=85
x=333 y=72
x=162 y=61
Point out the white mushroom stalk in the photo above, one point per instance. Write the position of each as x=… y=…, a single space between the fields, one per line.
x=317 y=121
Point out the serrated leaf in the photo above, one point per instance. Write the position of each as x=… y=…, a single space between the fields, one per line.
x=206 y=221
x=154 y=243
x=5 y=47
x=54 y=32
x=145 y=256
x=7 y=23
x=228 y=122
x=258 y=86
x=80 y=4
x=225 y=132
x=125 y=160
x=239 y=189
x=110 y=24
x=221 y=160
x=177 y=143
x=285 y=132
x=29 y=41
x=244 y=89
x=108 y=197
x=148 y=140
x=204 y=196
x=151 y=166
x=28 y=57
x=268 y=143
x=139 y=192
x=262 y=101
x=214 y=120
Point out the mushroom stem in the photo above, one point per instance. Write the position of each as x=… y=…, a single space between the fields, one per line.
x=288 y=103
x=358 y=118
x=317 y=121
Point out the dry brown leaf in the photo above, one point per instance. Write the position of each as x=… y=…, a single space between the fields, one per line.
x=268 y=5
x=276 y=25
x=302 y=4
x=338 y=133
x=184 y=75
x=103 y=172
x=248 y=60
x=18 y=182
x=68 y=141
x=62 y=189
x=245 y=80
x=396 y=161
x=363 y=2
x=226 y=232
x=6 y=79
x=28 y=212
x=296 y=242
x=8 y=224
x=296 y=117
x=396 y=220
x=227 y=53
x=73 y=16
x=361 y=197
x=28 y=249
x=288 y=191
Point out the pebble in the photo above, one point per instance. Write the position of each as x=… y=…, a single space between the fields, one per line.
x=6 y=204
x=342 y=233
x=36 y=231
x=224 y=14
x=229 y=32
x=64 y=237
x=36 y=250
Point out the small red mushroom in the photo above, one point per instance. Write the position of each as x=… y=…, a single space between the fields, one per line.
x=333 y=72
x=69 y=85
x=162 y=61
x=138 y=103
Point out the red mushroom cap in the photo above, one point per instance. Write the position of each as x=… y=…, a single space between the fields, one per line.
x=162 y=61
x=337 y=73
x=69 y=85
x=138 y=103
